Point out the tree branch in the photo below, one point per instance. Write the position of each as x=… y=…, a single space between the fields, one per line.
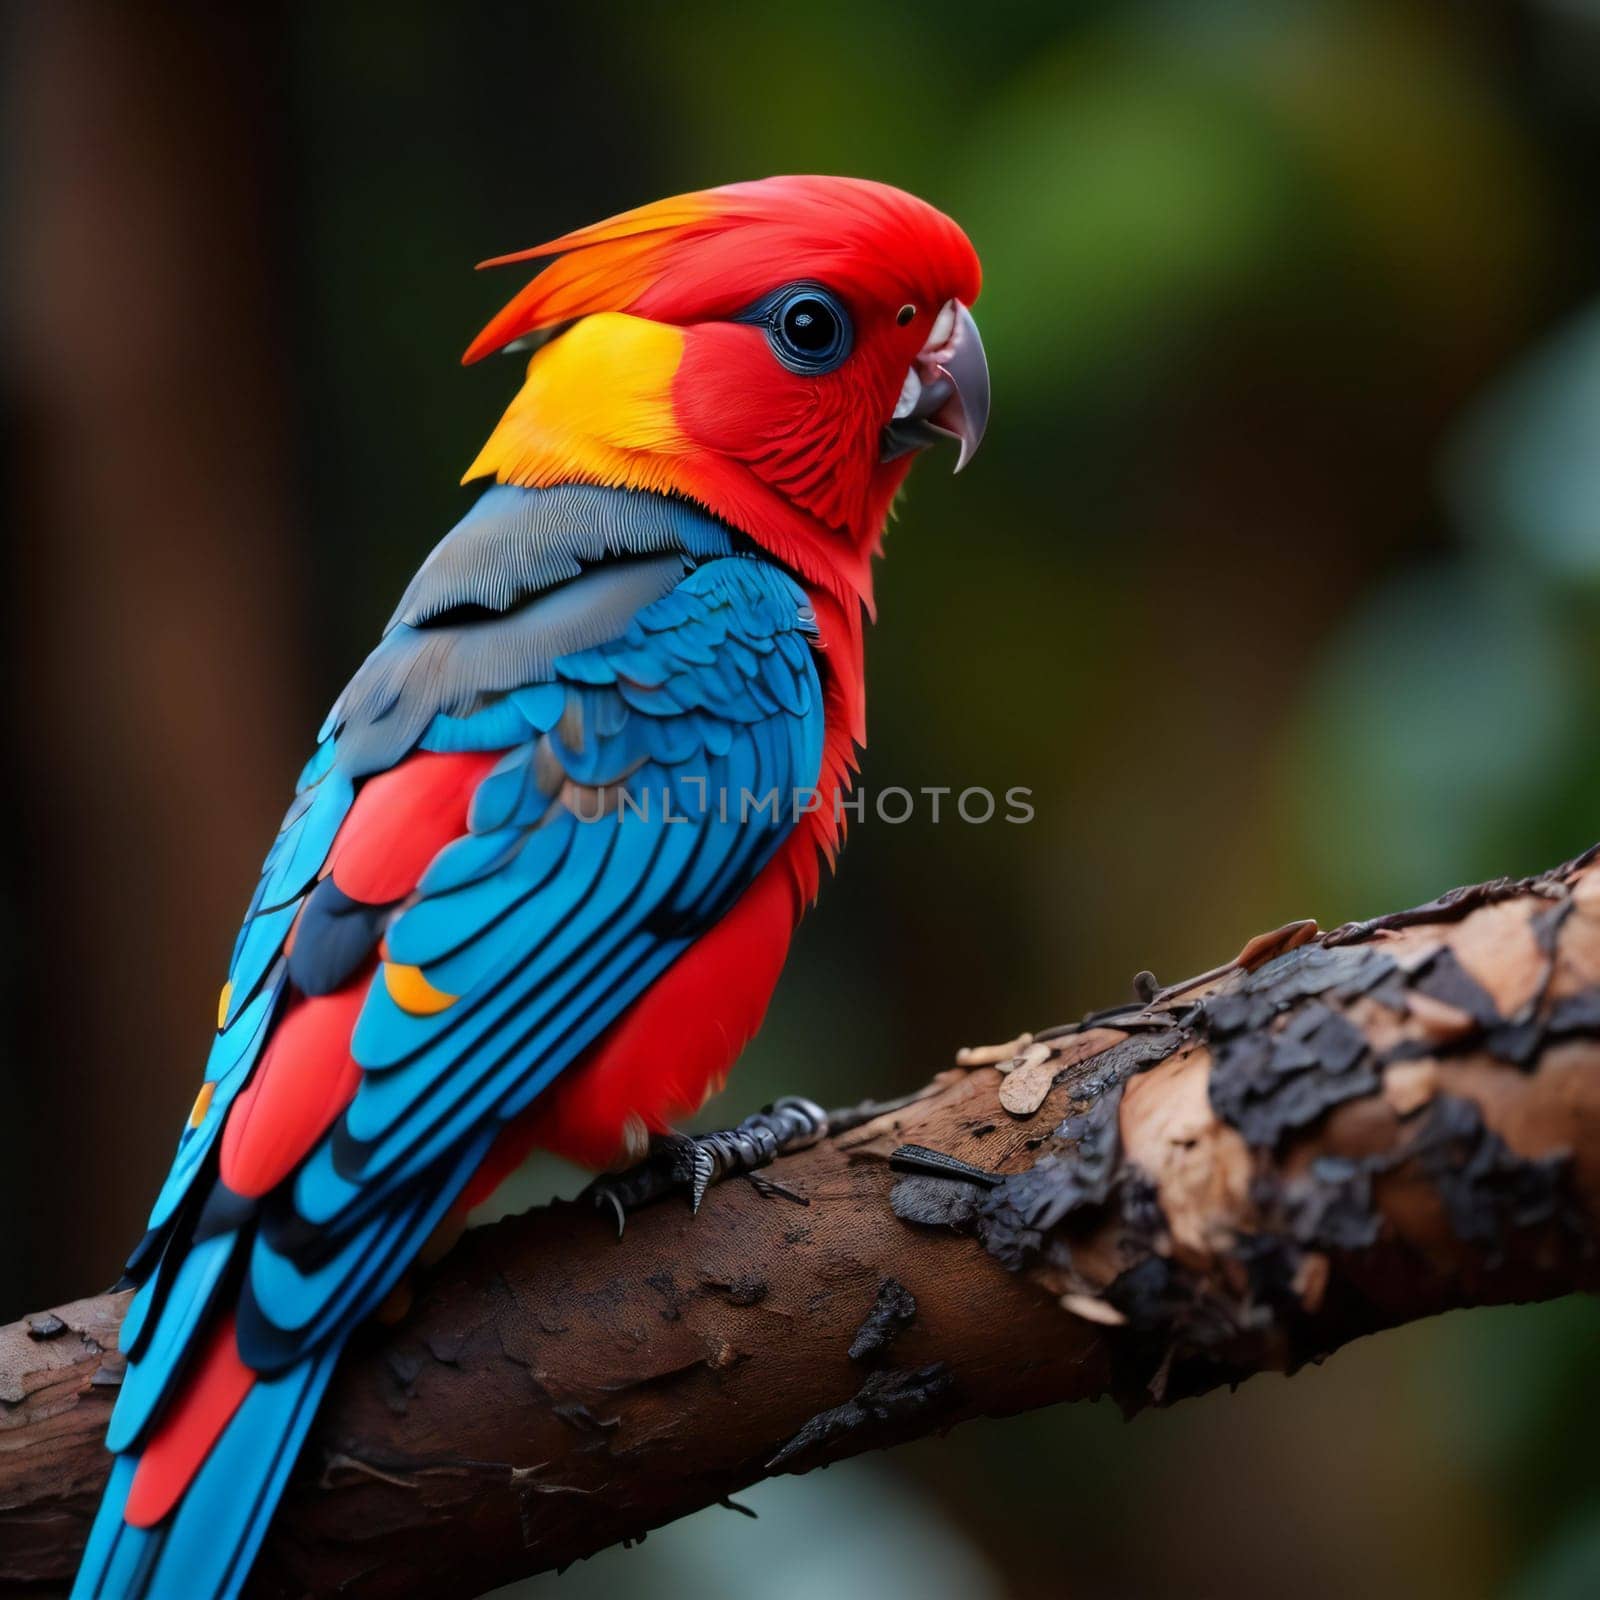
x=1335 y=1134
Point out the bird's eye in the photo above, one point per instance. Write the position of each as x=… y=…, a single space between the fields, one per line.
x=808 y=328
x=905 y=314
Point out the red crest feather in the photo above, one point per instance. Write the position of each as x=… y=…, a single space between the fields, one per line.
x=706 y=256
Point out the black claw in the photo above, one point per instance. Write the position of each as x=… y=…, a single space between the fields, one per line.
x=604 y=1197
x=696 y=1162
x=770 y=1186
x=705 y=1171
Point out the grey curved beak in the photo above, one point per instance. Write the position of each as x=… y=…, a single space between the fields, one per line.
x=954 y=402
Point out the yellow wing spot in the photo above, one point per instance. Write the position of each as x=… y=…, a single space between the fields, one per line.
x=224 y=1000
x=202 y=1104
x=412 y=992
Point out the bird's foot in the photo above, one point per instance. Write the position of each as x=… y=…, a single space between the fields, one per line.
x=692 y=1162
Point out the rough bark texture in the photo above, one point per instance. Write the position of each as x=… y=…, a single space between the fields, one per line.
x=1333 y=1134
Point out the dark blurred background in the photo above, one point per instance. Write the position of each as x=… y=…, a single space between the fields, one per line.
x=1278 y=582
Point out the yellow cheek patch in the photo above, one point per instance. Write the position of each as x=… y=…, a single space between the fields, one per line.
x=597 y=405
x=202 y=1104
x=224 y=1000
x=412 y=992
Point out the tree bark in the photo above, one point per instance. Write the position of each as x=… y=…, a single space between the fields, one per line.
x=1331 y=1135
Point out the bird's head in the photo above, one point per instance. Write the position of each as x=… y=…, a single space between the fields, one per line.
x=777 y=351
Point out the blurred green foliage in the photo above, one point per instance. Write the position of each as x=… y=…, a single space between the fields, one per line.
x=1277 y=583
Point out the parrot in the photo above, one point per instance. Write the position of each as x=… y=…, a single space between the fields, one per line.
x=540 y=875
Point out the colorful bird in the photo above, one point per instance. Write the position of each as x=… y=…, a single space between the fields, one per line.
x=541 y=874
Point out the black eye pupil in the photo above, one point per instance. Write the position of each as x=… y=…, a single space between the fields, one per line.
x=809 y=326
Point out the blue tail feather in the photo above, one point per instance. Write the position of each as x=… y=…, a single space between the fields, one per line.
x=203 y=1551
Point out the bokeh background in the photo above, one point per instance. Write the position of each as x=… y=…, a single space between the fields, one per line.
x=1278 y=582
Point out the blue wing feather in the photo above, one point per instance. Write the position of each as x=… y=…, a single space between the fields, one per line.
x=534 y=954
x=631 y=656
